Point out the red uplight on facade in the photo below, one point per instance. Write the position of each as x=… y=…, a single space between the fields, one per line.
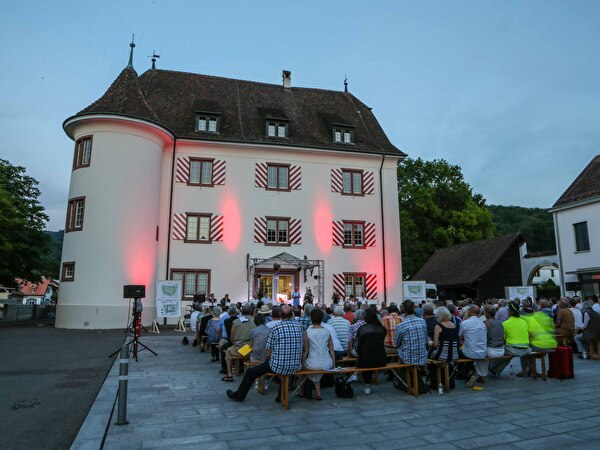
x=322 y=226
x=139 y=259
x=232 y=222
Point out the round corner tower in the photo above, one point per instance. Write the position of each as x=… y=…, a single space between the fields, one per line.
x=113 y=216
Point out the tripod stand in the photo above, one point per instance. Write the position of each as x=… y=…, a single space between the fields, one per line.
x=136 y=326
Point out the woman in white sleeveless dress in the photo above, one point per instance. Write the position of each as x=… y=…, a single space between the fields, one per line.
x=319 y=349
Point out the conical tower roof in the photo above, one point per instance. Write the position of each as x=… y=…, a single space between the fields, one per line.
x=124 y=96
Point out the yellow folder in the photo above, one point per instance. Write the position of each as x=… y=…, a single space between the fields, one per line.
x=245 y=350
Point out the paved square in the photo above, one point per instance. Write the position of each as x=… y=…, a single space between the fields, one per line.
x=177 y=400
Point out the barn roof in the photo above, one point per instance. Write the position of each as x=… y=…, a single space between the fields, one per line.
x=464 y=264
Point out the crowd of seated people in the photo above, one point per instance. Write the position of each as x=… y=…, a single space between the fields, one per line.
x=285 y=338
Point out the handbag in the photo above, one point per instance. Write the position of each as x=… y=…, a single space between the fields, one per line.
x=343 y=389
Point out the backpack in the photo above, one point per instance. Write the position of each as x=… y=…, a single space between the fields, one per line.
x=343 y=389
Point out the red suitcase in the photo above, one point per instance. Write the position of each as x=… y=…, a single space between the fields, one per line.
x=561 y=363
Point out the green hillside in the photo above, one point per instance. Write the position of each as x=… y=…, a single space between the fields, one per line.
x=534 y=224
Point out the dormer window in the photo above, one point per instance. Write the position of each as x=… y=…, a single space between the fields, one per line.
x=207 y=123
x=277 y=129
x=343 y=135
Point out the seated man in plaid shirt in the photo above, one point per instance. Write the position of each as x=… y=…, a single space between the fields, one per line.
x=283 y=353
x=411 y=337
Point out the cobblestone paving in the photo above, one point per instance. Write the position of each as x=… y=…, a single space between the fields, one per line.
x=178 y=400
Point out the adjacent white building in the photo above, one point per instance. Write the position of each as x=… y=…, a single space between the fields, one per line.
x=577 y=228
x=231 y=186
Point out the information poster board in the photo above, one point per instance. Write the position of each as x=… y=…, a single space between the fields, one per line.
x=414 y=290
x=520 y=292
x=168 y=298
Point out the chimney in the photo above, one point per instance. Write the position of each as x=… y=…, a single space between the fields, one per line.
x=287 y=79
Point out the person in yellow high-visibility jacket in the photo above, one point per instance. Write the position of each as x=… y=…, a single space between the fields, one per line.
x=541 y=337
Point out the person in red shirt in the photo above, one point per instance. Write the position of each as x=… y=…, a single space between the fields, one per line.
x=391 y=322
x=348 y=314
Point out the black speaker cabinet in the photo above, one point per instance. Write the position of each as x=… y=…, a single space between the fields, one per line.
x=134 y=291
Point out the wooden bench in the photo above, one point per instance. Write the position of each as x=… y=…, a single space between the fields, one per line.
x=594 y=349
x=261 y=380
x=411 y=377
x=236 y=363
x=565 y=340
x=346 y=361
x=443 y=365
x=201 y=341
x=533 y=356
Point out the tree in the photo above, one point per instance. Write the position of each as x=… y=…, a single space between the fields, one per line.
x=23 y=243
x=548 y=289
x=534 y=224
x=437 y=209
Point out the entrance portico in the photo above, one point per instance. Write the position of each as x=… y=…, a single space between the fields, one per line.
x=277 y=276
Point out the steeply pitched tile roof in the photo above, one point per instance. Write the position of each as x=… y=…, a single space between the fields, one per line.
x=173 y=99
x=586 y=185
x=124 y=96
x=464 y=264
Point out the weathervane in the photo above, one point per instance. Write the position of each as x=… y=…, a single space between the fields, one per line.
x=345 y=83
x=154 y=58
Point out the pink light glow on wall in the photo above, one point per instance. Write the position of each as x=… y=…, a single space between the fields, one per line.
x=373 y=263
x=232 y=223
x=139 y=259
x=322 y=218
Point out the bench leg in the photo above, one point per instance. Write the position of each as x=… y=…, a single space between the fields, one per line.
x=533 y=367
x=415 y=380
x=285 y=391
x=544 y=373
x=447 y=380
x=261 y=385
x=409 y=383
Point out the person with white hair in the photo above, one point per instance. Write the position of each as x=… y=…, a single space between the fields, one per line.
x=590 y=330
x=474 y=334
x=445 y=345
x=502 y=313
x=341 y=326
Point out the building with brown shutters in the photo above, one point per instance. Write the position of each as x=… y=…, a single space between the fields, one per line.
x=230 y=186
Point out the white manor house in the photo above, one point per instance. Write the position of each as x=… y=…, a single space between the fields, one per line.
x=230 y=186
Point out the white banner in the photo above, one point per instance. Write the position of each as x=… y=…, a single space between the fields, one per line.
x=414 y=290
x=520 y=292
x=168 y=298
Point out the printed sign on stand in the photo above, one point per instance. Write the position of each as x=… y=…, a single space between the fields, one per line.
x=520 y=292
x=168 y=298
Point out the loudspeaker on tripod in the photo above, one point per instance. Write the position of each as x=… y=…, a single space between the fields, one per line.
x=134 y=291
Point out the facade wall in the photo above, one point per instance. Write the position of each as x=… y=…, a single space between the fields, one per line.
x=570 y=259
x=128 y=199
x=240 y=201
